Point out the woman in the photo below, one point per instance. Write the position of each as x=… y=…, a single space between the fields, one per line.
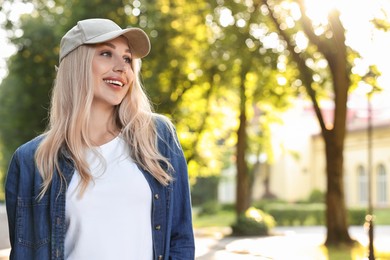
x=108 y=179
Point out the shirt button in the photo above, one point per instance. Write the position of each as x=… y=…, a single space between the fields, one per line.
x=160 y=257
x=157 y=227
x=156 y=196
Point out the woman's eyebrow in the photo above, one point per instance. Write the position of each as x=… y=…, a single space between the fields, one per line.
x=113 y=46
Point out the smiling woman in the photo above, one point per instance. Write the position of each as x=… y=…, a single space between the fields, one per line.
x=105 y=154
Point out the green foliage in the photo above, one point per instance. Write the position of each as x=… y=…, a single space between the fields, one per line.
x=316 y=196
x=381 y=216
x=357 y=216
x=297 y=214
x=24 y=94
x=204 y=190
x=287 y=214
x=211 y=207
x=255 y=222
x=223 y=219
x=263 y=203
x=249 y=227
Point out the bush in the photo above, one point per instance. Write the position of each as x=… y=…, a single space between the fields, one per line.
x=356 y=216
x=297 y=214
x=228 y=207
x=209 y=208
x=263 y=203
x=255 y=222
x=308 y=214
x=316 y=196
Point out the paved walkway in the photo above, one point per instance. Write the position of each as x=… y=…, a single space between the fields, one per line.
x=289 y=243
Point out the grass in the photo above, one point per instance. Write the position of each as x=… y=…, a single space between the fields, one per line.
x=223 y=218
x=382 y=216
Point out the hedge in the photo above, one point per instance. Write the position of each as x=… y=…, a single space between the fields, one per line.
x=308 y=214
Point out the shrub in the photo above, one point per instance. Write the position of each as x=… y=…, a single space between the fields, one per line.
x=254 y=222
x=209 y=208
x=297 y=214
x=316 y=196
x=356 y=216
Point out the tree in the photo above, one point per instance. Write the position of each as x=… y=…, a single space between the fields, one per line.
x=179 y=79
x=24 y=93
x=332 y=47
x=251 y=74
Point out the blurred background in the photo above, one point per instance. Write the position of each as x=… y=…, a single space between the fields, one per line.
x=281 y=106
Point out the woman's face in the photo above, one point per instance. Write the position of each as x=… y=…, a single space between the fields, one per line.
x=112 y=72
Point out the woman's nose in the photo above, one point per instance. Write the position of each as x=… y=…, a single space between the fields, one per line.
x=121 y=66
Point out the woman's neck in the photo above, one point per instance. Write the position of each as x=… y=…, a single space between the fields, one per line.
x=102 y=128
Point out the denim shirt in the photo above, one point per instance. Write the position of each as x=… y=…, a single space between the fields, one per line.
x=37 y=227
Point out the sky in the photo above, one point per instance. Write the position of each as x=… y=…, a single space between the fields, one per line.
x=373 y=45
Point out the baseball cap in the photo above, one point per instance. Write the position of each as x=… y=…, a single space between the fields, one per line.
x=98 y=30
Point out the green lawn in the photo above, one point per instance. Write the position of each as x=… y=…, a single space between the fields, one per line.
x=382 y=216
x=223 y=218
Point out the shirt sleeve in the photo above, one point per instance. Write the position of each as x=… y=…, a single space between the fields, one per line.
x=182 y=237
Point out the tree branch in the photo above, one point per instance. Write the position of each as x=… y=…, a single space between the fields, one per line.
x=305 y=72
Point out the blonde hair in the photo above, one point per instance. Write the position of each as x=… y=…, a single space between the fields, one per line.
x=66 y=134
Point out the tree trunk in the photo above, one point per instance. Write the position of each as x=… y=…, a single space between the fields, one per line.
x=335 y=52
x=242 y=193
x=336 y=212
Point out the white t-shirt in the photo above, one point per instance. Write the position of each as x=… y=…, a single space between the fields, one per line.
x=112 y=220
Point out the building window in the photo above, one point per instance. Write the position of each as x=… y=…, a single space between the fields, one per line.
x=362 y=185
x=381 y=184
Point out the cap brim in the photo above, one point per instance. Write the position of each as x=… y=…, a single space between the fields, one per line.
x=138 y=40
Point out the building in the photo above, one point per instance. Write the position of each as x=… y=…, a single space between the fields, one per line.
x=299 y=166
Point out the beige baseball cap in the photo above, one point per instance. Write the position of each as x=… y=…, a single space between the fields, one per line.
x=97 y=30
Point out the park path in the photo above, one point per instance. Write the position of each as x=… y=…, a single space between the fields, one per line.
x=288 y=243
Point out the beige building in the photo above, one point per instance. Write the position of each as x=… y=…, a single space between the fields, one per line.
x=299 y=165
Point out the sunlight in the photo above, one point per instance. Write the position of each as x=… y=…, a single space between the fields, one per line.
x=226 y=17
x=295 y=246
x=318 y=10
x=361 y=35
x=253 y=213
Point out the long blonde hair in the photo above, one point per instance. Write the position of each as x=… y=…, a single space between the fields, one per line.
x=70 y=116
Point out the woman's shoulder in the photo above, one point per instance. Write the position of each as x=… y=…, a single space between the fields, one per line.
x=30 y=147
x=164 y=125
x=162 y=121
x=166 y=132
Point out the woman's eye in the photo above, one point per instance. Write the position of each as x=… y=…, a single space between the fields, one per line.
x=106 y=53
x=127 y=59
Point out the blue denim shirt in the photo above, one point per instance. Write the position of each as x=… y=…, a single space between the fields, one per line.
x=37 y=227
